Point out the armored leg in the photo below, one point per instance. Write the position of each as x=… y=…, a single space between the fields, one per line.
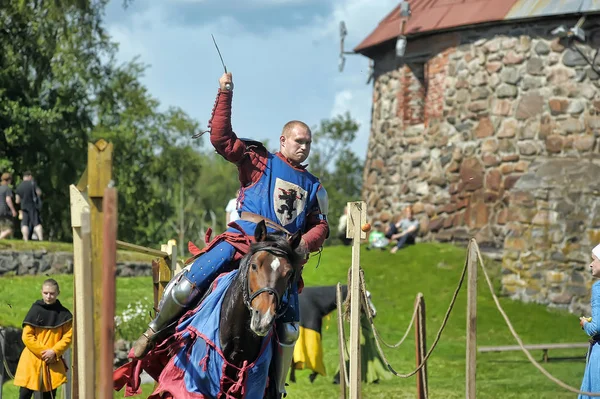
x=179 y=294
x=288 y=335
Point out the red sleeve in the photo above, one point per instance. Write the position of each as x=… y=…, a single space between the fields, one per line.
x=316 y=232
x=250 y=162
x=222 y=136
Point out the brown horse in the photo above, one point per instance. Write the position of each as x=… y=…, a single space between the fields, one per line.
x=248 y=303
x=253 y=301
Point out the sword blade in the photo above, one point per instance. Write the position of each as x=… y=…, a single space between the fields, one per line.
x=219 y=51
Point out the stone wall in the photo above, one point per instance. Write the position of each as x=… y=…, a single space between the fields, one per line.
x=41 y=261
x=553 y=224
x=454 y=140
x=462 y=118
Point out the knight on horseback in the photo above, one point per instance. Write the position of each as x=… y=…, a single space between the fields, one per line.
x=275 y=188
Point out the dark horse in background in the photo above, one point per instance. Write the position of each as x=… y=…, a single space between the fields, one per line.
x=230 y=357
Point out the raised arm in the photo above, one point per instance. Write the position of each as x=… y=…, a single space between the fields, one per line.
x=222 y=136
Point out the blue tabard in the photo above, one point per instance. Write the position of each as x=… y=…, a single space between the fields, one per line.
x=284 y=194
x=203 y=364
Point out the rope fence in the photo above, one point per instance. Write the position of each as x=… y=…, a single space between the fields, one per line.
x=380 y=342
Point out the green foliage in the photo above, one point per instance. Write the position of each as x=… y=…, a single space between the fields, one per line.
x=338 y=168
x=134 y=319
x=60 y=88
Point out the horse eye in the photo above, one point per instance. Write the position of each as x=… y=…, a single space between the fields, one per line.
x=253 y=265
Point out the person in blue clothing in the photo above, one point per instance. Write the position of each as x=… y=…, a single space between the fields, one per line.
x=275 y=188
x=591 y=377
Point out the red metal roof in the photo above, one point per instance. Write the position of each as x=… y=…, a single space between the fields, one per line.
x=433 y=15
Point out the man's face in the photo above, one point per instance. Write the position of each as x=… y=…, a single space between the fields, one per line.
x=296 y=147
x=49 y=293
x=408 y=213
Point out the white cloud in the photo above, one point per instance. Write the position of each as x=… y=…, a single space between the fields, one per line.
x=281 y=75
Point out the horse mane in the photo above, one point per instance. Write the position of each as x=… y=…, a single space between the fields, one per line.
x=277 y=244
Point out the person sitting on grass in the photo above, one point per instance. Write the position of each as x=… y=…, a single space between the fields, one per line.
x=405 y=230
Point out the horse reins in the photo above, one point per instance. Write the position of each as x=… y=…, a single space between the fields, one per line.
x=250 y=296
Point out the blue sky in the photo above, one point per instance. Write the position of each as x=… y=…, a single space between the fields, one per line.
x=283 y=55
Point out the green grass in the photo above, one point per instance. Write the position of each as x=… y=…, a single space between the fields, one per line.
x=394 y=280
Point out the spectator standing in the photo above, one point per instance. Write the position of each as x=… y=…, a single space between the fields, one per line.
x=591 y=377
x=28 y=196
x=7 y=207
x=47 y=334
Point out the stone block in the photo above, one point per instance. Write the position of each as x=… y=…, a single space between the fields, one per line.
x=478 y=106
x=507 y=168
x=502 y=107
x=493 y=67
x=554 y=144
x=510 y=158
x=513 y=58
x=484 y=128
x=584 y=143
x=571 y=125
x=558 y=106
x=542 y=48
x=509 y=128
x=436 y=224
x=490 y=160
x=572 y=58
x=527 y=148
x=530 y=105
x=506 y=91
x=535 y=66
x=531 y=82
x=489 y=145
x=471 y=174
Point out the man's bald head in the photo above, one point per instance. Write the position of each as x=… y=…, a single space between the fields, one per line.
x=289 y=127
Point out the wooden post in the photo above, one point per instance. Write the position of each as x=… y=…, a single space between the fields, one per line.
x=83 y=339
x=2 y=360
x=357 y=217
x=109 y=273
x=471 y=320
x=420 y=347
x=341 y=340
x=87 y=222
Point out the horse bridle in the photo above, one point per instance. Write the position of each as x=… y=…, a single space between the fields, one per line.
x=250 y=296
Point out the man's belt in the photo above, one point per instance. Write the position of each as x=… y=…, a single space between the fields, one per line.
x=253 y=217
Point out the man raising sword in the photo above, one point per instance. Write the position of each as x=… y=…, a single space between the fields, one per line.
x=276 y=188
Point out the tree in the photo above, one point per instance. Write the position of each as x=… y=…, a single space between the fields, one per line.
x=50 y=65
x=338 y=168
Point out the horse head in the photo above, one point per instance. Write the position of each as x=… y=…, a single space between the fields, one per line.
x=271 y=267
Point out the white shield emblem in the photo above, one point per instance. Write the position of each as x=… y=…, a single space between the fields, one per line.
x=289 y=201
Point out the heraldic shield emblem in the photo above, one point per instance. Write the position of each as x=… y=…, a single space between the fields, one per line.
x=289 y=201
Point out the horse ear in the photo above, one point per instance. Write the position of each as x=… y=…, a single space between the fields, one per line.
x=294 y=240
x=260 y=232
